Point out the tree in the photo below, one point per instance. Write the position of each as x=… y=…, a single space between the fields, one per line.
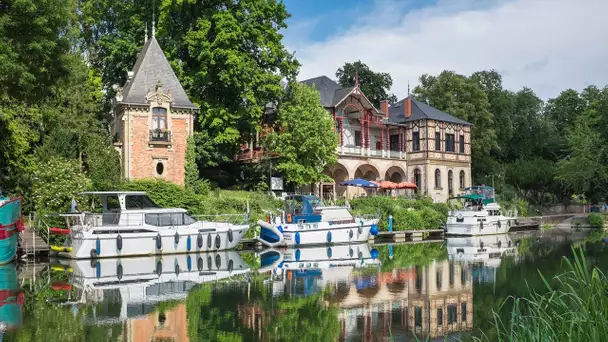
x=375 y=85
x=304 y=139
x=192 y=177
x=464 y=98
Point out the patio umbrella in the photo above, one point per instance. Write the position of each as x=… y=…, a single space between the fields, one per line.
x=388 y=185
x=406 y=185
x=358 y=182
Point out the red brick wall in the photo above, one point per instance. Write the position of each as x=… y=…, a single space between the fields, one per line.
x=144 y=156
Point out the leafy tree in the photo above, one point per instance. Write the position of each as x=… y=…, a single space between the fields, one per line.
x=192 y=180
x=565 y=108
x=304 y=140
x=375 y=85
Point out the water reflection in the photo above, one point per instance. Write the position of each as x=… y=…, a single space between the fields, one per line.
x=11 y=299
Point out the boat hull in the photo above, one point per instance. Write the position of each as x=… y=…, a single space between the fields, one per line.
x=156 y=241
x=11 y=298
x=10 y=217
x=321 y=233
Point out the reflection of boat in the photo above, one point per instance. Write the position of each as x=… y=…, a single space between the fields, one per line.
x=131 y=224
x=135 y=285
x=11 y=223
x=306 y=222
x=11 y=299
x=481 y=215
x=484 y=252
x=307 y=270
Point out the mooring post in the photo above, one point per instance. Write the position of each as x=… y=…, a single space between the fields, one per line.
x=390 y=223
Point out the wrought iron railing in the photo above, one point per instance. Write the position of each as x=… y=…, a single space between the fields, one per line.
x=160 y=135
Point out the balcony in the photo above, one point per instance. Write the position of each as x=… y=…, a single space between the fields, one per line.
x=352 y=150
x=160 y=137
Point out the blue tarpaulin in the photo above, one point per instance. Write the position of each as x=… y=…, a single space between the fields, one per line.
x=360 y=183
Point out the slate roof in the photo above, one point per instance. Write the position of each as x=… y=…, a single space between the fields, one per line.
x=150 y=67
x=327 y=89
x=421 y=111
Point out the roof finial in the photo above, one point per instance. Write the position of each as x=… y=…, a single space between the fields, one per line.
x=153 y=13
x=408 y=88
x=356 y=78
x=146 y=34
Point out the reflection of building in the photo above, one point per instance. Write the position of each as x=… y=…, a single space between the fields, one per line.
x=431 y=302
x=169 y=326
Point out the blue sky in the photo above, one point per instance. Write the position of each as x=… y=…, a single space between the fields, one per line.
x=547 y=45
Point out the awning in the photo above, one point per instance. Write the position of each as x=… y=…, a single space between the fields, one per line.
x=358 y=182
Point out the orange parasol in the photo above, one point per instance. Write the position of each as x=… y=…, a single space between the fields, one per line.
x=388 y=185
x=406 y=185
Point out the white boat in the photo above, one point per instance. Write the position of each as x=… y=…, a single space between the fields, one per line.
x=131 y=224
x=320 y=265
x=138 y=284
x=480 y=214
x=306 y=221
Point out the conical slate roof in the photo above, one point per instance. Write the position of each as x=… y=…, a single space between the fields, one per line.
x=151 y=67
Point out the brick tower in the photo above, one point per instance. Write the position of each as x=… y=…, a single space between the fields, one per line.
x=153 y=120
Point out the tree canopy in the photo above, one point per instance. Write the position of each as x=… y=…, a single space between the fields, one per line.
x=304 y=138
x=375 y=85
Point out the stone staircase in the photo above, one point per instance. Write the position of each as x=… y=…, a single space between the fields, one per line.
x=31 y=243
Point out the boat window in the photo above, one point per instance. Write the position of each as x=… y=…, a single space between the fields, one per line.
x=139 y=202
x=169 y=219
x=112 y=203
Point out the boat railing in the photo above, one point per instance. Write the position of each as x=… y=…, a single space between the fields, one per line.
x=228 y=219
x=366 y=217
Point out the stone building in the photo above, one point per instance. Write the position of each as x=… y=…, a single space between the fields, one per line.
x=408 y=141
x=153 y=119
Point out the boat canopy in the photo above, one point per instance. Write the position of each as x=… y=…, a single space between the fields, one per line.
x=477 y=193
x=301 y=208
x=472 y=197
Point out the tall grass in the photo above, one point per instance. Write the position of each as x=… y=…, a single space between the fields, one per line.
x=573 y=307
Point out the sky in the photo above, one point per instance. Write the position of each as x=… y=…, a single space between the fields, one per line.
x=546 y=45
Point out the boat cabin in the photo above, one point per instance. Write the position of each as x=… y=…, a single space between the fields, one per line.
x=302 y=208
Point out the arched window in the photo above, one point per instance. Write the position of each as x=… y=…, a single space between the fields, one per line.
x=437 y=179
x=461 y=179
x=451 y=182
x=417 y=179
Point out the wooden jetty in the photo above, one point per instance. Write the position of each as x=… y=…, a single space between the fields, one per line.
x=409 y=236
x=31 y=244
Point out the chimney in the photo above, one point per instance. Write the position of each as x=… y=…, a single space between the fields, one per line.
x=407 y=107
x=384 y=107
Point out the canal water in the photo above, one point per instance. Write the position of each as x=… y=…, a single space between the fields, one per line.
x=402 y=292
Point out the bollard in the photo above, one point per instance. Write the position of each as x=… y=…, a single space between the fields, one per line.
x=390 y=223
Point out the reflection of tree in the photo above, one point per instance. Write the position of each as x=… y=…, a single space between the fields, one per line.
x=420 y=254
x=220 y=313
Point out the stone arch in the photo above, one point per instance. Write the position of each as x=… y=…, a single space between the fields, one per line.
x=368 y=172
x=395 y=174
x=338 y=173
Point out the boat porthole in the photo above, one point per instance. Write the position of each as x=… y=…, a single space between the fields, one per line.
x=297 y=255
x=208 y=240
x=159 y=242
x=498 y=223
x=481 y=244
x=119 y=242
x=481 y=223
x=94 y=254
x=98 y=247
x=351 y=252
x=188 y=243
x=176 y=238
x=218 y=241
x=218 y=261
x=329 y=237
x=94 y=262
x=189 y=263
x=297 y=238
x=499 y=244
x=119 y=271
x=360 y=229
x=199 y=241
x=176 y=269
x=199 y=264
x=159 y=268
x=230 y=235
x=360 y=255
x=209 y=263
x=508 y=223
x=509 y=244
x=350 y=234
x=230 y=265
x=329 y=252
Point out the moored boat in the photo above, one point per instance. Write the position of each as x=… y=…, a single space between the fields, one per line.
x=305 y=221
x=11 y=299
x=11 y=224
x=131 y=224
x=480 y=214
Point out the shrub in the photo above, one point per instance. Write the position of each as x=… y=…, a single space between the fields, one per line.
x=595 y=220
x=408 y=214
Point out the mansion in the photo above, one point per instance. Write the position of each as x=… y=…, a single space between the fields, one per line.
x=408 y=141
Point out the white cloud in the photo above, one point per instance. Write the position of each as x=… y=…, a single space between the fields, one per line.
x=547 y=45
